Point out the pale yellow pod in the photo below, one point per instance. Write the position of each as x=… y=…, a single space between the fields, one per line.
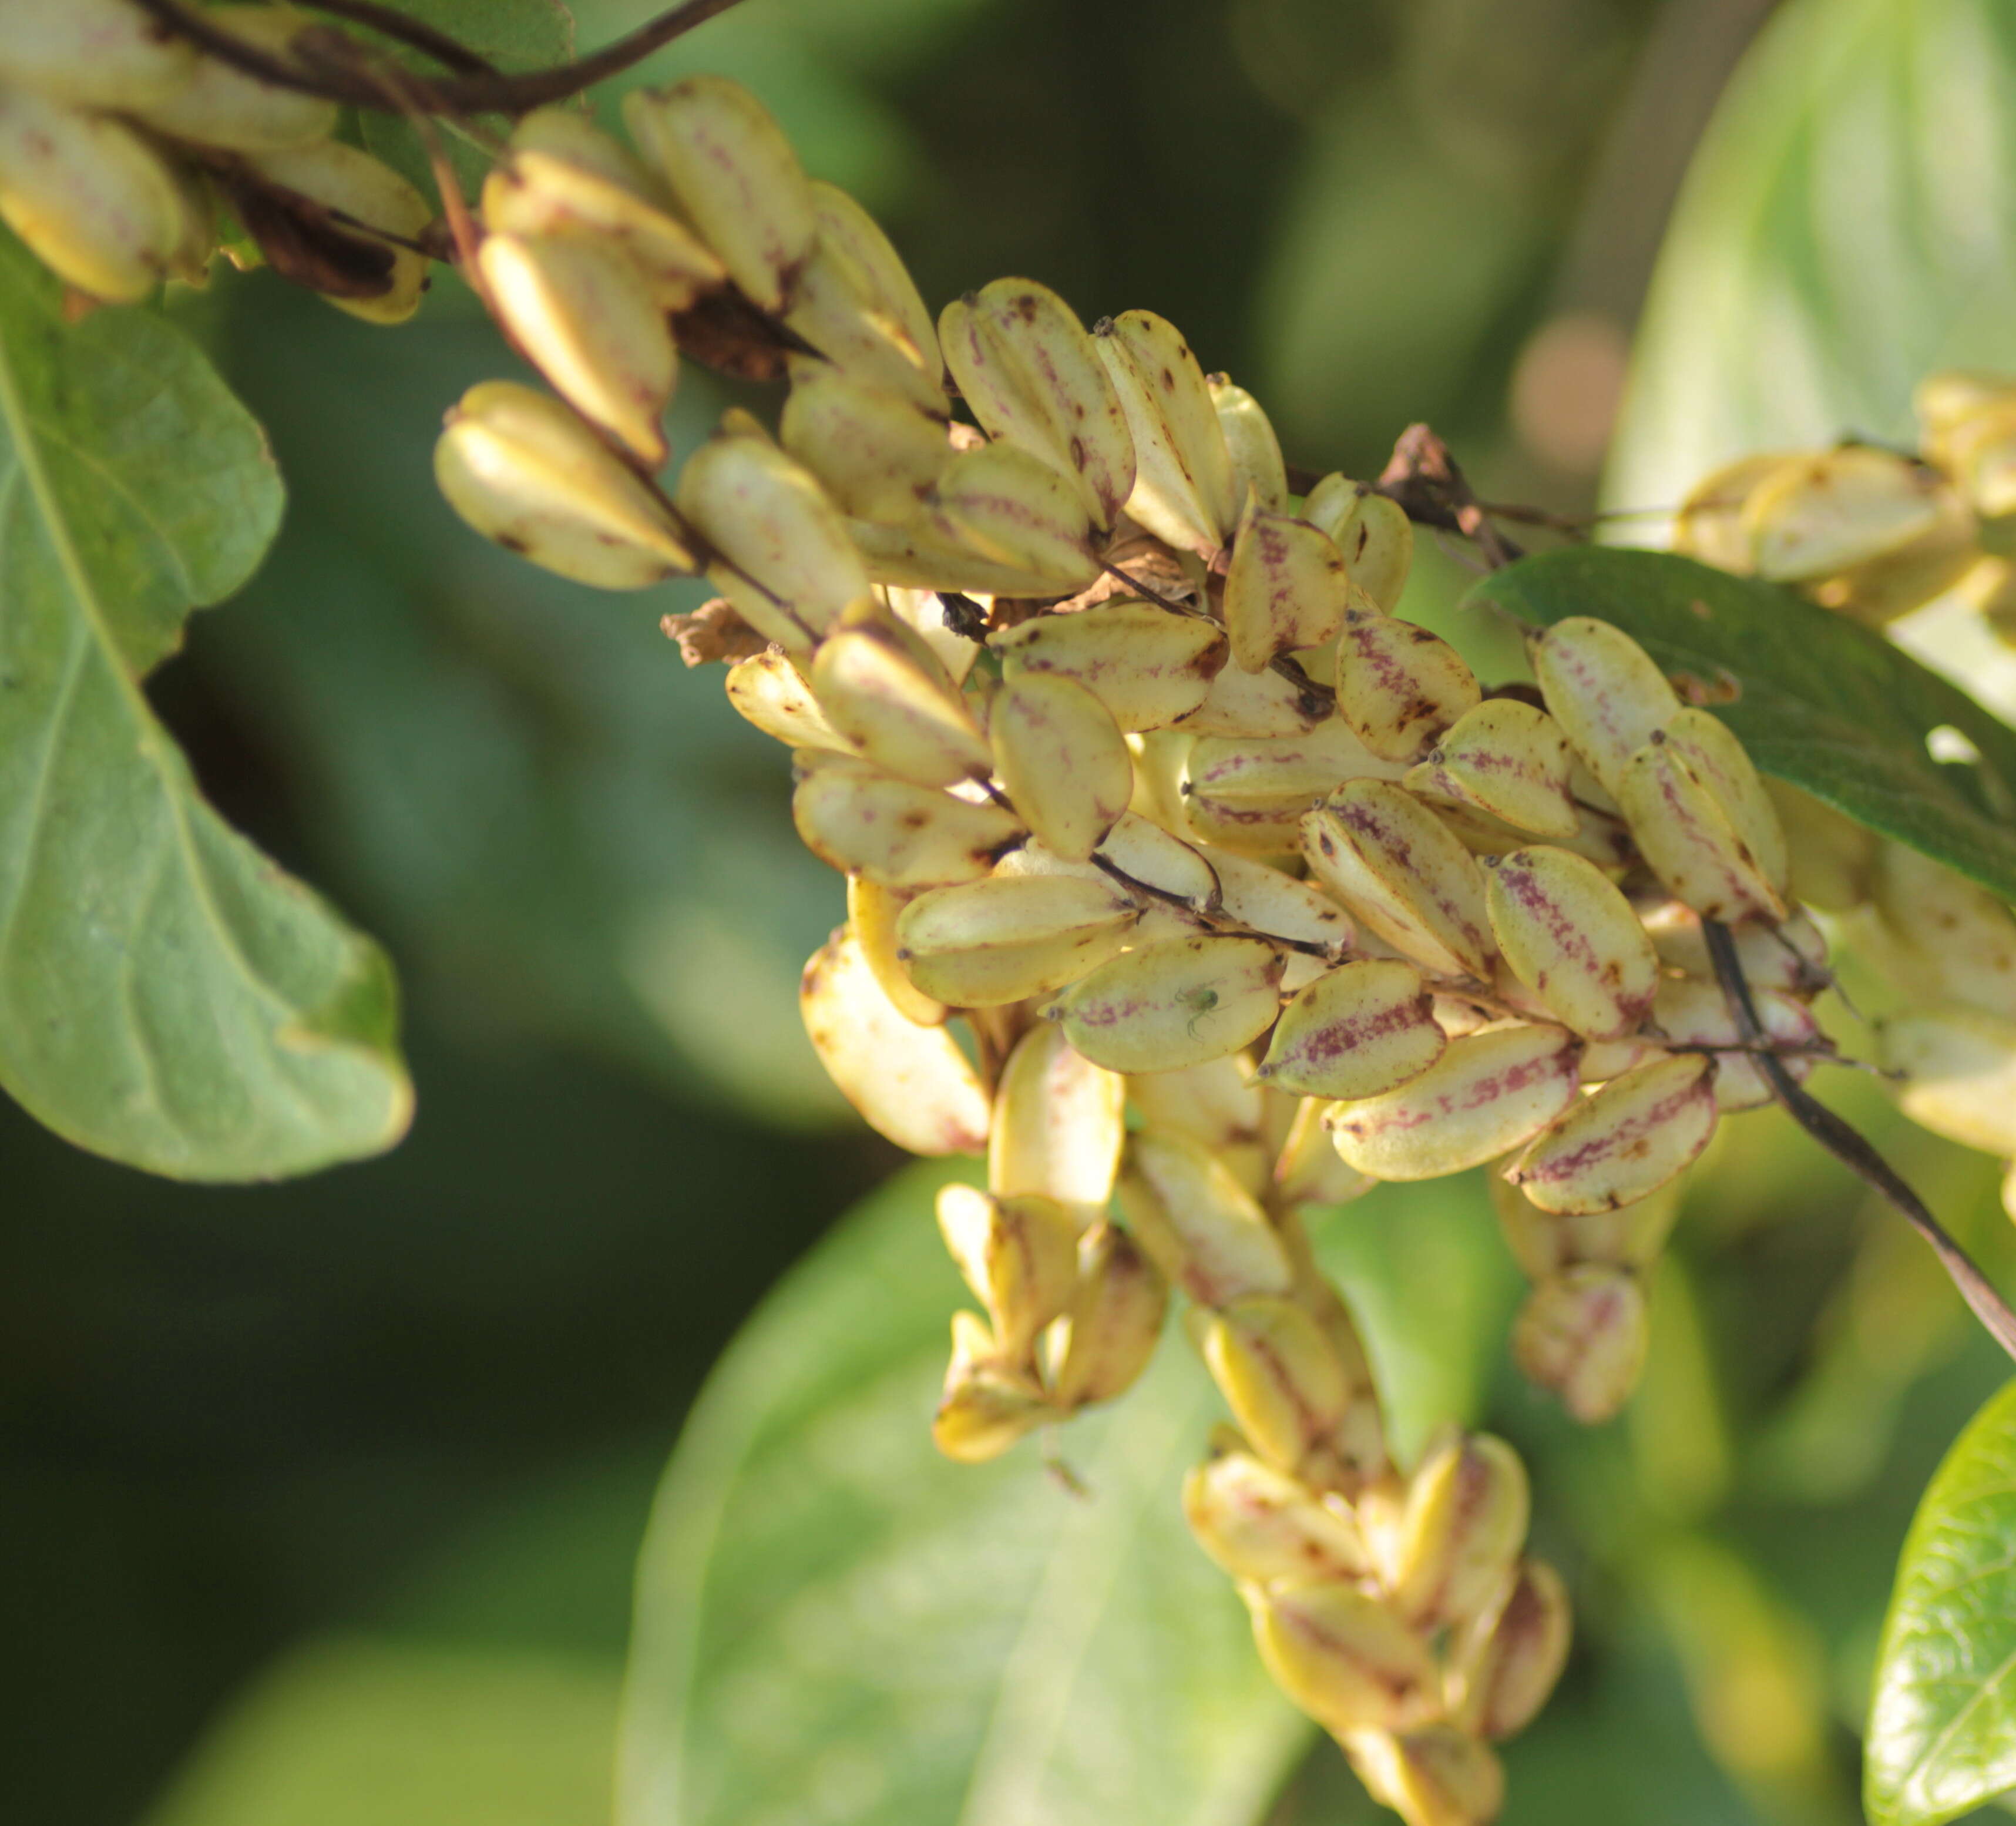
x=1815 y=516
x=1183 y=491
x=1264 y=899
x=856 y=819
x=1958 y=1070
x=1256 y=450
x=1437 y=1776
x=1692 y=1011
x=882 y=689
x=1248 y=704
x=1019 y=1256
x=1789 y=954
x=734 y=176
x=878 y=456
x=1218 y=1105
x=1507 y=1671
x=1711 y=523
x=524 y=470
x=1981 y=457
x=1061 y=760
x=888 y=334
x=923 y=612
x=1357 y=1030
x=1343 y=1657
x=786 y=561
x=1688 y=839
x=872 y=912
x=214 y=104
x=1603 y=689
x=1622 y=1143
x=1955 y=942
x=1459 y=1533
x=1598 y=837
x=1372 y=531
x=769 y=690
x=910 y=1083
x=1945 y=399
x=1287 y=1388
x=1583 y=1335
x=1004 y=938
x=986 y=1406
x=1031 y=374
x=1150 y=858
x=1103 y=1342
x=370 y=193
x=1260 y=1524
x=583 y=315
x=1285 y=587
x=1165 y=1006
x=1543 y=1242
x=1572 y=939
x=1147 y=666
x=1508 y=760
x=1488 y=1093
x=106 y=53
x=1386 y=856
x=1199 y=1225
x=1249 y=792
x=1308 y=1169
x=1398 y=686
x=94 y=201
x=1059 y=1124
x=1019 y=515
x=1720 y=761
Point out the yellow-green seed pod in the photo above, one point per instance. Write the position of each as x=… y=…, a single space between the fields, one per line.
x=1165 y=1006
x=1059 y=1122
x=1146 y=665
x=1285 y=588
x=1720 y=761
x=1259 y=1523
x=102 y=53
x=986 y=1407
x=368 y=191
x=1183 y=491
x=1582 y=1335
x=1460 y=1532
x=1544 y=1242
x=734 y=176
x=1357 y=1030
x=1622 y=1143
x=1032 y=377
x=1507 y=1671
x=1509 y=762
x=857 y=304
x=1308 y=1170
x=1603 y=689
x=877 y=455
x=1958 y=1065
x=769 y=690
x=882 y=689
x=854 y=818
x=1692 y=1011
x=1789 y=954
x=1061 y=760
x=1170 y=869
x=1952 y=941
x=524 y=470
x=1017 y=513
x=1279 y=1374
x=1343 y=1657
x=872 y=913
x=1488 y=1092
x=1690 y=840
x=216 y=104
x=1256 y=463
x=910 y=1083
x=1004 y=938
x=1019 y=1256
x=1399 y=687
x=1439 y=1777
x=1198 y=1224
x=1572 y=939
x=1103 y=1342
x=1217 y=1105
x=1250 y=793
x=1711 y=525
x=1265 y=900
x=1371 y=530
x=1248 y=704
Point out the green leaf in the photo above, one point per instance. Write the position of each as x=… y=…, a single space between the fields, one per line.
x=834 y=1623
x=1942 y=1726
x=168 y=996
x=1818 y=701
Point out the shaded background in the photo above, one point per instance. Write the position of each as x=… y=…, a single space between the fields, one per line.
x=319 y=1502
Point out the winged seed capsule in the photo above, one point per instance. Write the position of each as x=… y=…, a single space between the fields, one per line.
x=857 y=303
x=1011 y=509
x=1019 y=1256
x=1288 y=1389
x=1059 y=1122
x=1622 y=1143
x=883 y=689
x=854 y=818
x=1165 y=1006
x=985 y=1407
x=1249 y=438
x=214 y=103
x=1250 y=793
x=1689 y=840
x=1004 y=938
x=877 y=455
x=872 y=913
x=1061 y=760
x=1582 y=1334
x=1182 y=490
x=1200 y=1225
x=1506 y=1672
x=1959 y=1069
x=1510 y=762
x=1603 y=689
x=1343 y=1657
x=107 y=53
x=1399 y=686
x=1569 y=935
x=1692 y=1011
x=1265 y=900
x=1285 y=587
x=769 y=690
x=1146 y=665
x=1459 y=1533
x=1362 y=1029
x=367 y=190
x=1259 y=1523
x=1371 y=530
x=1439 y=1777
x=1717 y=759
x=1543 y=1242
x=1103 y=1341
x=1218 y=1105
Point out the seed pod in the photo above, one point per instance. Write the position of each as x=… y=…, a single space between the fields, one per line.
x=1249 y=704
x=1197 y=1223
x=1259 y=1524
x=1689 y=840
x=1508 y=760
x=769 y=690
x=896 y=833
x=366 y=190
x=984 y=943
x=882 y=688
x=1218 y=1105
x=1439 y=1777
x=1250 y=441
x=1954 y=942
x=1959 y=1066
x=565 y=176
x=1059 y=1122
x=1711 y=524
x=1485 y=1095
x=786 y=562
x=1398 y=686
x=524 y=470
x=1360 y=1029
x=1061 y=760
x=877 y=455
x=1573 y=939
x=93 y=200
x=1279 y=1373
x=1460 y=1532
x=735 y=178
x=1624 y=1141
x=1582 y=1334
x=1146 y=665
x=1165 y=1006
x=1371 y=530
x=1031 y=374
x=1015 y=512
x=1018 y=1255
x=1791 y=954
x=1509 y=1669
x=1284 y=588
x=1383 y=854
x=1603 y=689
x=1183 y=491
x=1264 y=899
x=1544 y=1242
x=1692 y=1012
x=985 y=1408
x=856 y=302
x=1109 y=1332
x=213 y=103
x=872 y=913
x=1342 y=1657
x=910 y=1083
x=1147 y=854
x=1309 y=1170
x=107 y=53
x=923 y=611
x=1251 y=793
x=1719 y=758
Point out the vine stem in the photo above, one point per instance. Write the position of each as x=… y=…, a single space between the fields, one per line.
x=1848 y=1145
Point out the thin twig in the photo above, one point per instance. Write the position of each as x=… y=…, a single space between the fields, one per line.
x=1847 y=1145
x=451 y=53
x=1429 y=484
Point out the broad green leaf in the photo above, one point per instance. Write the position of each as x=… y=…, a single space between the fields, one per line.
x=833 y=1623
x=168 y=996
x=1942 y=1727
x=1818 y=699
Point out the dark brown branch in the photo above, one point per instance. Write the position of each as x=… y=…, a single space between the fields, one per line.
x=1847 y=1145
x=450 y=53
